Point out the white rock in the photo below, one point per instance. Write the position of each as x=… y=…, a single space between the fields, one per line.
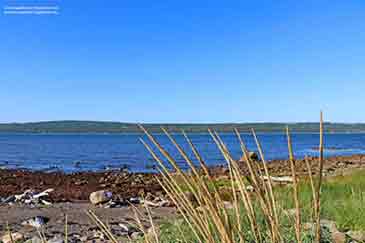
x=100 y=197
x=228 y=205
x=44 y=193
x=285 y=179
x=136 y=235
x=36 y=222
x=124 y=227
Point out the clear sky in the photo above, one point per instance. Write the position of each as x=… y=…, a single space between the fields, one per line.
x=185 y=61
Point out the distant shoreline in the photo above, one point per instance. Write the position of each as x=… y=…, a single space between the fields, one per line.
x=101 y=127
x=174 y=133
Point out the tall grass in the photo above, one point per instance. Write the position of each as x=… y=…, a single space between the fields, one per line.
x=256 y=216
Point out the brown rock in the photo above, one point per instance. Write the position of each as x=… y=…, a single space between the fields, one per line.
x=338 y=237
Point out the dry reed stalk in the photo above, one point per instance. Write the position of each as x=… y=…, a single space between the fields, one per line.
x=260 y=187
x=9 y=232
x=196 y=153
x=221 y=221
x=314 y=201
x=217 y=196
x=272 y=201
x=178 y=191
x=175 y=192
x=101 y=225
x=66 y=228
x=213 y=223
x=199 y=181
x=172 y=162
x=318 y=188
x=179 y=207
x=155 y=234
x=41 y=236
x=255 y=171
x=295 y=188
x=140 y=225
x=204 y=166
x=242 y=187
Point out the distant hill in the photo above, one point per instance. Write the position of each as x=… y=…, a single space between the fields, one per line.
x=120 y=127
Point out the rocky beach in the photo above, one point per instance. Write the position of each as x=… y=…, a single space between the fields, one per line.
x=28 y=197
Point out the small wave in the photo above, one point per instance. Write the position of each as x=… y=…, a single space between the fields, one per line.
x=334 y=149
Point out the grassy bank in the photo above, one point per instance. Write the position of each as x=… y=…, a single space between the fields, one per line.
x=342 y=201
x=259 y=210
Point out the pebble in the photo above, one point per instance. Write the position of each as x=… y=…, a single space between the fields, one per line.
x=136 y=235
x=135 y=200
x=36 y=222
x=124 y=227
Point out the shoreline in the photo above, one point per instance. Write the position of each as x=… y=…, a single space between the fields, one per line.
x=71 y=197
x=76 y=187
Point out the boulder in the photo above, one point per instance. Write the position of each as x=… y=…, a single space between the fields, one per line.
x=100 y=197
x=13 y=238
x=251 y=155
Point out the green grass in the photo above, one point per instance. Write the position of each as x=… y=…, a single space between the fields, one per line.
x=178 y=231
x=342 y=200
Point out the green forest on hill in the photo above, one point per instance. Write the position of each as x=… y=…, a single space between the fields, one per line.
x=120 y=127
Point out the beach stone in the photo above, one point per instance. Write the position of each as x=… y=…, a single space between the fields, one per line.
x=228 y=205
x=36 y=222
x=100 y=197
x=124 y=227
x=136 y=235
x=15 y=236
x=251 y=156
x=338 y=237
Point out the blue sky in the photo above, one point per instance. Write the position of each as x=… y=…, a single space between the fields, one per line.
x=185 y=61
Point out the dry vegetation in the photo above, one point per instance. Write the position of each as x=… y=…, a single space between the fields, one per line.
x=253 y=216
